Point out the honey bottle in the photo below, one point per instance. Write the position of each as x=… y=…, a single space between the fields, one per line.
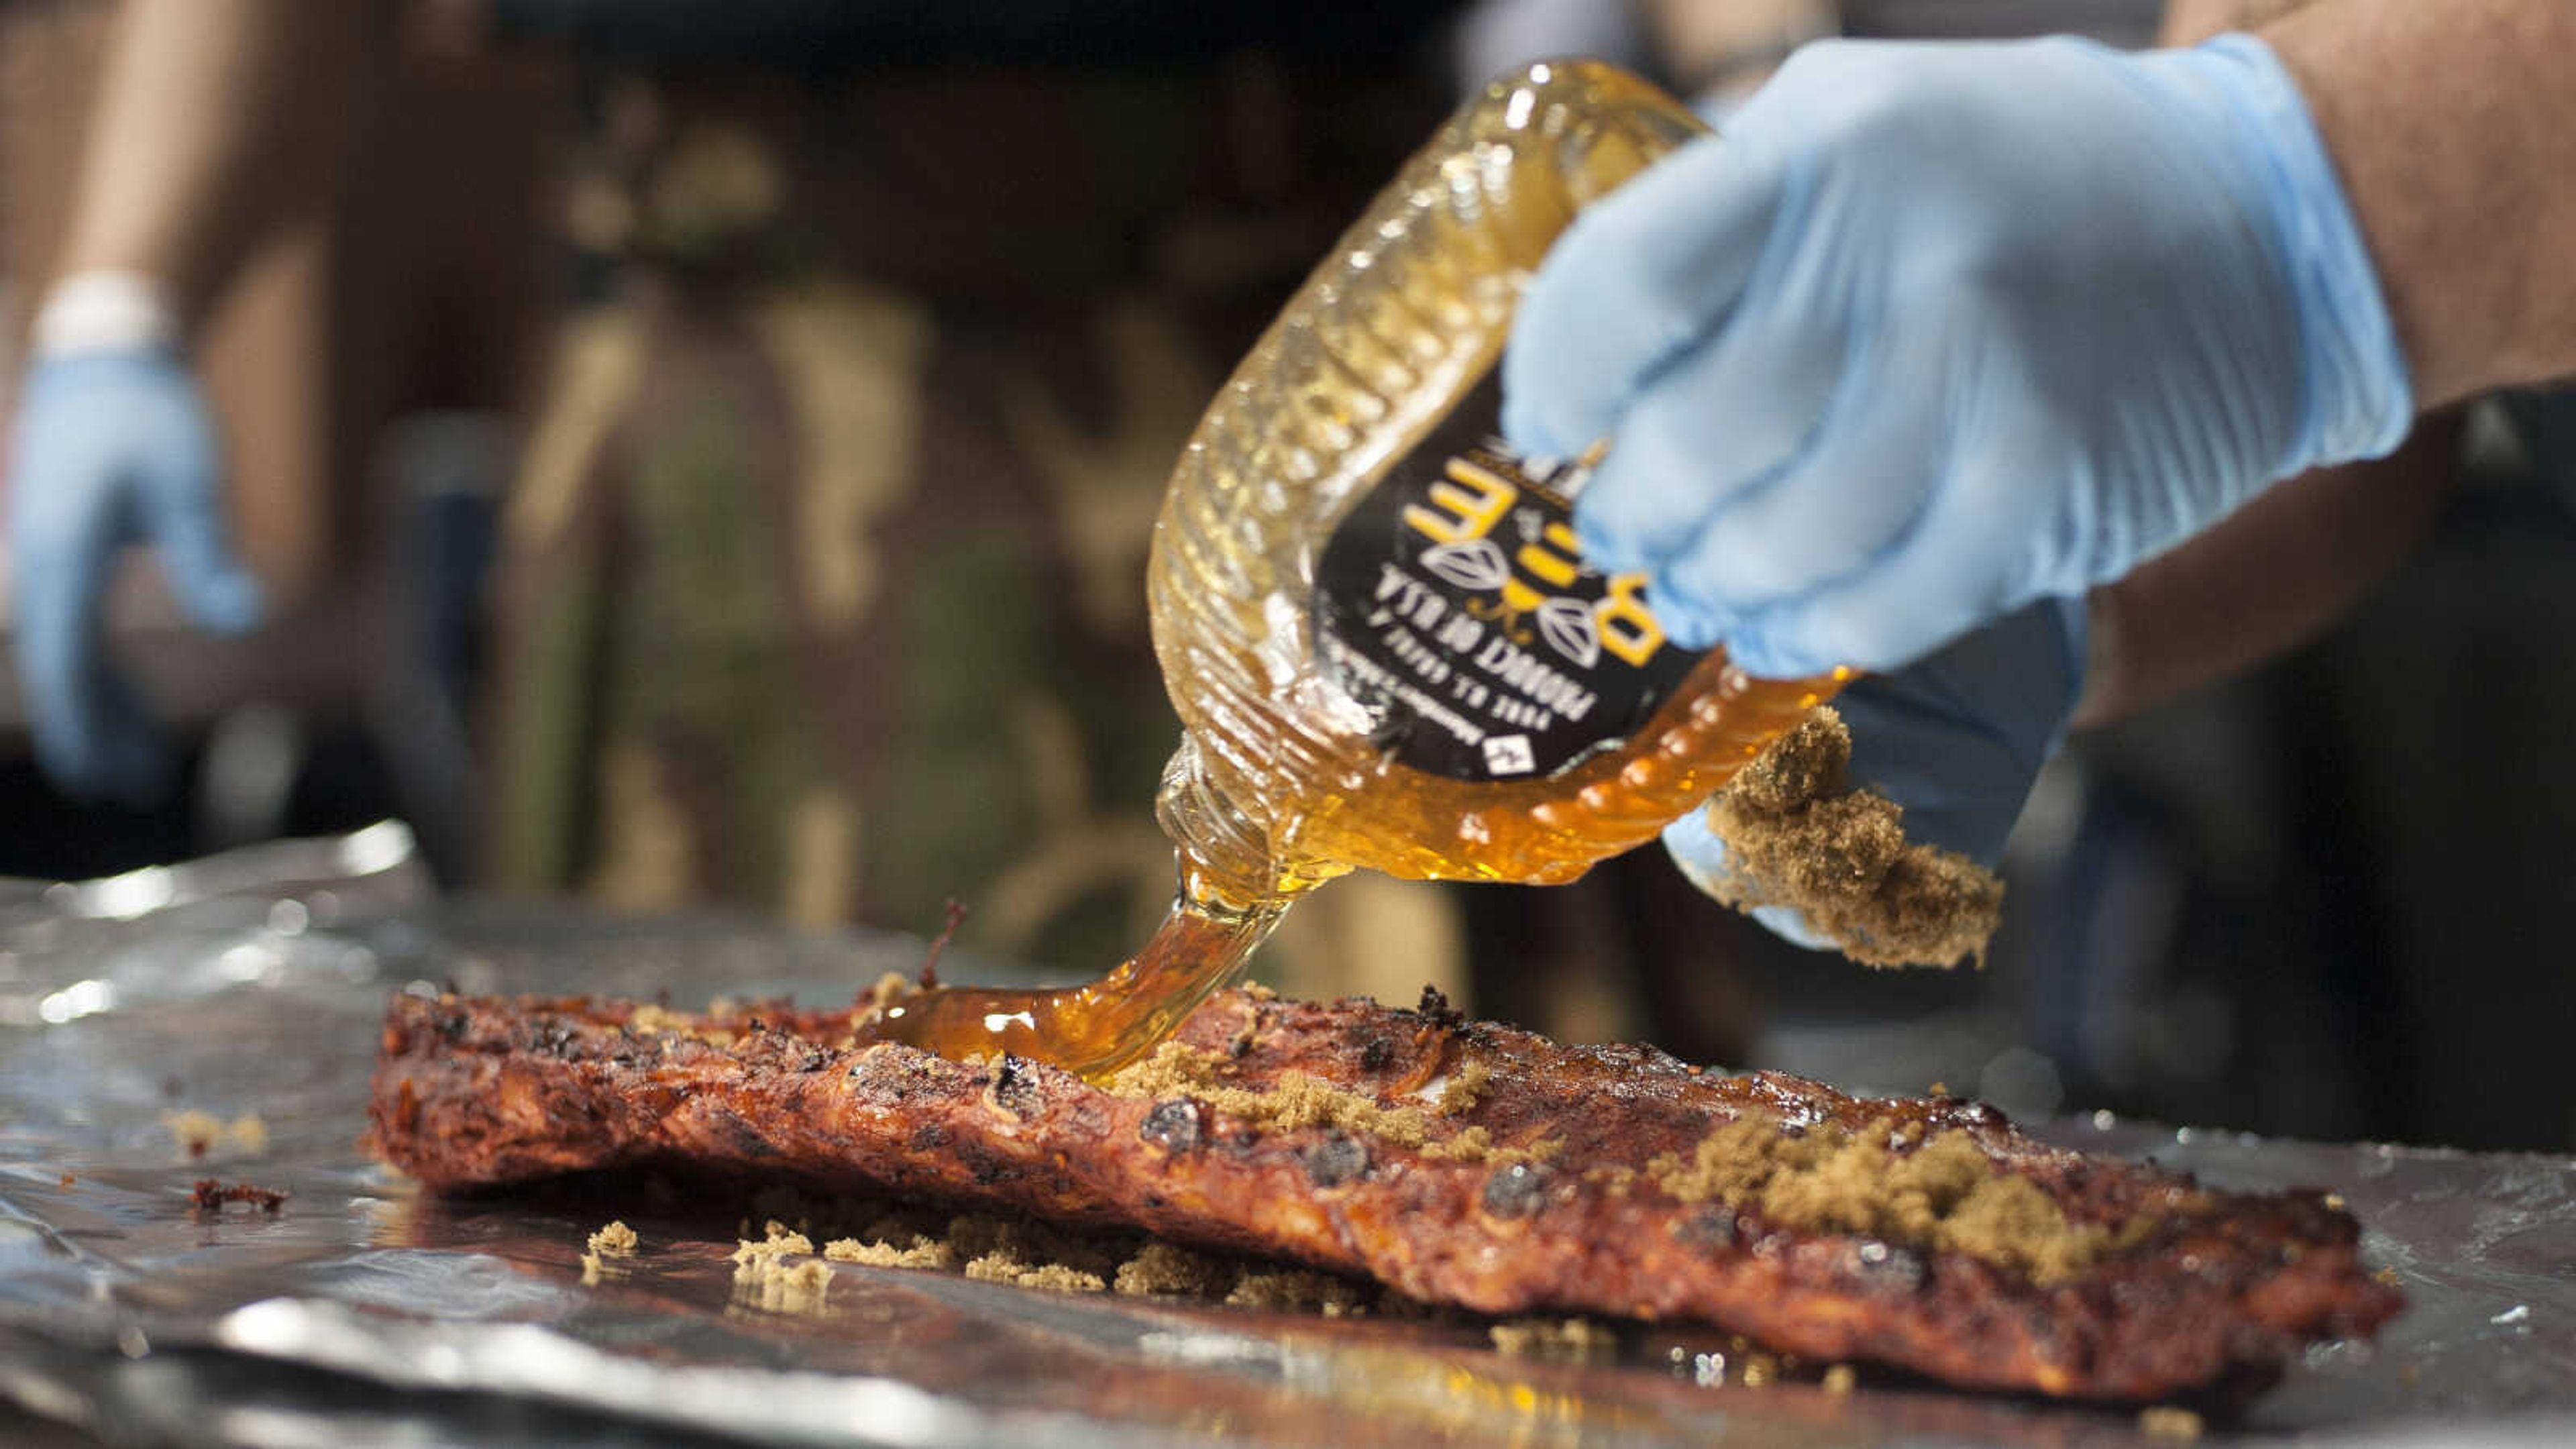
x=1373 y=619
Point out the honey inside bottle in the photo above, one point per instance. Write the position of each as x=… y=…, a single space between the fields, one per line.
x=1384 y=647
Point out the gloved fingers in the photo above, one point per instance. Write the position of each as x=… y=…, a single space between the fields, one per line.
x=1637 y=280
x=1701 y=857
x=1831 y=511
x=1963 y=563
x=1718 y=425
x=183 y=514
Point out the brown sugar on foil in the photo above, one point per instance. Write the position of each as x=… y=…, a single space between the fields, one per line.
x=1298 y=1290
x=1796 y=835
x=999 y=1267
x=2167 y=1422
x=780 y=1272
x=614 y=1241
x=1946 y=1194
x=1566 y=1340
x=916 y=1251
x=1006 y=1250
x=1001 y=1249
x=1163 y=1270
x=199 y=1133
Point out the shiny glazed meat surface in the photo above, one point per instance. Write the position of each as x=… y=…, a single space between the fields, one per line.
x=1458 y=1162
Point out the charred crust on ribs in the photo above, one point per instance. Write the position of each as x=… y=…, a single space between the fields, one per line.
x=1928 y=1234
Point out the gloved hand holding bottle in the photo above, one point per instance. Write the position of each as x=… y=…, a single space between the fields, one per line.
x=1934 y=331
x=1930 y=341
x=112 y=446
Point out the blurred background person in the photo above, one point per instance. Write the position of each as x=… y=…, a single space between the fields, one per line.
x=258 y=312
x=843 y=352
x=819 y=584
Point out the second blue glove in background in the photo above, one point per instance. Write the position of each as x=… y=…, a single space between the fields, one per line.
x=111 y=449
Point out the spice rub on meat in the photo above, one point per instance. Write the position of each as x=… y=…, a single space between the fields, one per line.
x=1457 y=1162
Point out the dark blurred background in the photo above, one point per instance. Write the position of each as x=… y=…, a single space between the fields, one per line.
x=706 y=449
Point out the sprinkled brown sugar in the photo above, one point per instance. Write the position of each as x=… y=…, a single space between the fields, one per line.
x=1300 y=1100
x=1465 y=1088
x=652 y=1016
x=1797 y=836
x=1946 y=1194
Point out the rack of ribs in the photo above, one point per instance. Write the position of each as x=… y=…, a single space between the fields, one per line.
x=1458 y=1162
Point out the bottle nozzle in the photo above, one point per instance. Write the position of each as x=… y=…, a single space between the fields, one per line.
x=1226 y=856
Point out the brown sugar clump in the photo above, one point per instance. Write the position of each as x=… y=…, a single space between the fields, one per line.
x=1298 y=1290
x=920 y=1251
x=1302 y=1100
x=1946 y=1194
x=199 y=1133
x=1162 y=1270
x=614 y=1241
x=1299 y=1100
x=2166 y=1422
x=1002 y=1266
x=1465 y=1088
x=1797 y=836
x=763 y=1273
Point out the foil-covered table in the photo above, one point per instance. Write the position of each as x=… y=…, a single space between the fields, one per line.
x=365 y=1312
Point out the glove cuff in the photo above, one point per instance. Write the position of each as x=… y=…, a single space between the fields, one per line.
x=2359 y=400
x=105 y=311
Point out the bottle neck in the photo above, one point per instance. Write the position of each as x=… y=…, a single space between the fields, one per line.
x=1228 y=862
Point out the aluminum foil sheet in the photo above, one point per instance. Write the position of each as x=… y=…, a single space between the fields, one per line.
x=365 y=1312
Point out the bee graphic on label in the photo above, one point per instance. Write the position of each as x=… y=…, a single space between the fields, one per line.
x=1535 y=583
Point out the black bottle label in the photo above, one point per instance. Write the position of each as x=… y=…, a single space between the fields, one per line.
x=1453 y=604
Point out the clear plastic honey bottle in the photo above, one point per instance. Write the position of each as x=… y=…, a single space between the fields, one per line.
x=1373 y=619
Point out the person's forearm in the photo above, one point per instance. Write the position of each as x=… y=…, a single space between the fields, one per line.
x=2454 y=129
x=2189 y=22
x=211 y=115
x=2275 y=574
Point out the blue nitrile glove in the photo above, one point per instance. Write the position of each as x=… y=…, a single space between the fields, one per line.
x=1936 y=330
x=1955 y=738
x=112 y=447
